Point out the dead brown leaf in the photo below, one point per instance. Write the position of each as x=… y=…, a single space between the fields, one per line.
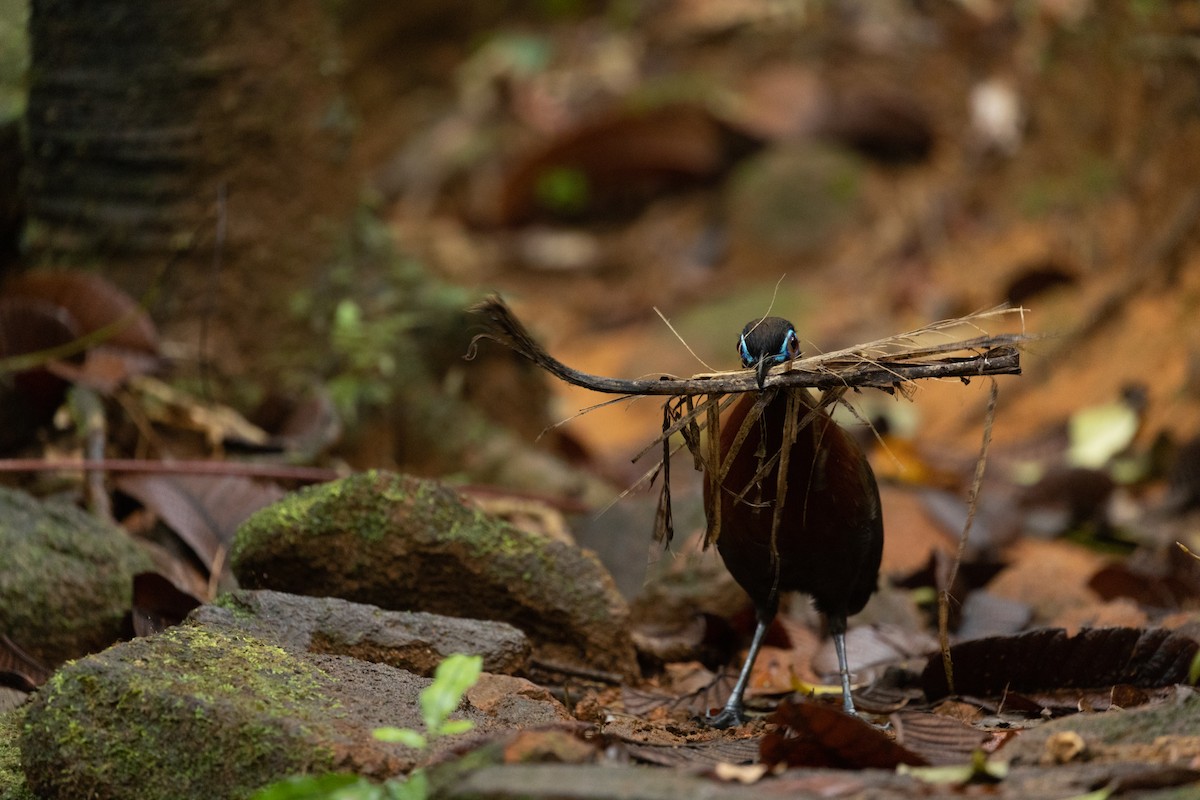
x=203 y=510
x=817 y=735
x=1048 y=658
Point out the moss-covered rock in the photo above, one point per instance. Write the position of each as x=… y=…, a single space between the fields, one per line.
x=66 y=577
x=404 y=543
x=163 y=716
x=12 y=777
x=199 y=711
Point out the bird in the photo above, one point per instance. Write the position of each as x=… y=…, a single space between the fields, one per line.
x=828 y=541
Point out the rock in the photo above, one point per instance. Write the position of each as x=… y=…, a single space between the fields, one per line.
x=200 y=712
x=165 y=715
x=1126 y=735
x=404 y=543
x=409 y=640
x=66 y=578
x=515 y=701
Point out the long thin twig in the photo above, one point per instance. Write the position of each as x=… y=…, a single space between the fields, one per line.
x=972 y=505
x=192 y=467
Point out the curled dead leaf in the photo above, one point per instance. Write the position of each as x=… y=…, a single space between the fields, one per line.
x=817 y=735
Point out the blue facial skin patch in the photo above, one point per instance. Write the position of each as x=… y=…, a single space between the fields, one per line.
x=778 y=358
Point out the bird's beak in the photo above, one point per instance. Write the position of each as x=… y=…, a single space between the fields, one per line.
x=760 y=371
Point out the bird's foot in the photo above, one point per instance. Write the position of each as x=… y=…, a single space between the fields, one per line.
x=726 y=718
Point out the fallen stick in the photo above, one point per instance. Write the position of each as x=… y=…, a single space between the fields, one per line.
x=885 y=364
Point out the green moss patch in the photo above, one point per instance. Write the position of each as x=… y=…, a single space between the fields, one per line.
x=159 y=717
x=66 y=577
x=408 y=544
x=12 y=777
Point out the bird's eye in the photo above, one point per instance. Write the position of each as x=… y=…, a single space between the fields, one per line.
x=793 y=345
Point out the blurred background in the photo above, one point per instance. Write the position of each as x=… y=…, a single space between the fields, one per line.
x=306 y=196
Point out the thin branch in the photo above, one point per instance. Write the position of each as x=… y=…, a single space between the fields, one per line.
x=195 y=467
x=972 y=506
x=856 y=367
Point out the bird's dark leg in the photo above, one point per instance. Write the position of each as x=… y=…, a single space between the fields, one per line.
x=734 y=712
x=838 y=627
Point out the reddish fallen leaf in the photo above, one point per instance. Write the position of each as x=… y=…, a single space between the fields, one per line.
x=1047 y=659
x=203 y=510
x=94 y=305
x=818 y=735
x=158 y=604
x=93 y=302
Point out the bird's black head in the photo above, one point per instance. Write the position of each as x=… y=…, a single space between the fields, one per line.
x=766 y=342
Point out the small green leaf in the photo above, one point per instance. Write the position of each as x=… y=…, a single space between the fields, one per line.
x=404 y=736
x=415 y=788
x=452 y=727
x=451 y=680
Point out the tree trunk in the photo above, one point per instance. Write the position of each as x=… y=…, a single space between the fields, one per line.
x=142 y=115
